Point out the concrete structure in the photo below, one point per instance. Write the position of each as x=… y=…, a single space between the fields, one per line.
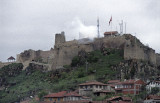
x=129 y=87
x=111 y=33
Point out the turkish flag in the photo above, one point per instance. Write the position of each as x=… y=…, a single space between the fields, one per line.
x=110 y=20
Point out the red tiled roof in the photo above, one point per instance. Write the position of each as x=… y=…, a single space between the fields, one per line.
x=153 y=97
x=112 y=98
x=113 y=81
x=123 y=100
x=80 y=101
x=59 y=94
x=131 y=81
x=110 y=32
x=93 y=83
x=72 y=94
x=126 y=99
x=120 y=102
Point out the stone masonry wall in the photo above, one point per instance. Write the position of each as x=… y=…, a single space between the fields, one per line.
x=158 y=59
x=38 y=56
x=63 y=51
x=60 y=38
x=133 y=49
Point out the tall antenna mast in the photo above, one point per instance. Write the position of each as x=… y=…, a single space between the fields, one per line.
x=125 y=27
x=122 y=26
x=98 y=27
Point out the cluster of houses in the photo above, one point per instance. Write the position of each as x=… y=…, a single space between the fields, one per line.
x=94 y=88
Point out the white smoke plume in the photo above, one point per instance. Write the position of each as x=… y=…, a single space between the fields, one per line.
x=78 y=30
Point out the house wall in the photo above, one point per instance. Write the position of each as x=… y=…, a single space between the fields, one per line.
x=152 y=85
x=87 y=90
x=71 y=98
x=129 y=88
x=53 y=99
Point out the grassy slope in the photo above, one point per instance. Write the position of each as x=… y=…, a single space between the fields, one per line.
x=30 y=84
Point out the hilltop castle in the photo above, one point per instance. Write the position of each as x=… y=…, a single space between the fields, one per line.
x=64 y=51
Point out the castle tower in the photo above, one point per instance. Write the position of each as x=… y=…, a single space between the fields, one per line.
x=60 y=38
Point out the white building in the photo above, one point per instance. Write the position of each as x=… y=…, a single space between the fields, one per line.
x=152 y=84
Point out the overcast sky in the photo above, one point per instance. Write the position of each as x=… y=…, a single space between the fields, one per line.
x=32 y=24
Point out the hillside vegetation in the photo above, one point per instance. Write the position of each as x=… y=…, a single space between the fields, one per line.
x=19 y=84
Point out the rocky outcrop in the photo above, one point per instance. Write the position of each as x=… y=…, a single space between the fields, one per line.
x=11 y=70
x=130 y=69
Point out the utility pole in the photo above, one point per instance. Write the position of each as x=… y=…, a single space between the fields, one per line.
x=86 y=66
x=98 y=35
x=125 y=26
x=122 y=26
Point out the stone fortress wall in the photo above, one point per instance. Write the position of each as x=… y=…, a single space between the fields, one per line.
x=64 y=51
x=2 y=64
x=28 y=56
x=133 y=49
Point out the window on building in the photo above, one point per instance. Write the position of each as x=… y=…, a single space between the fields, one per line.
x=81 y=87
x=91 y=86
x=86 y=87
x=50 y=99
x=96 y=86
x=59 y=99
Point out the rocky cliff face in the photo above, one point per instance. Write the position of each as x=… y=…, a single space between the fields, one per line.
x=130 y=69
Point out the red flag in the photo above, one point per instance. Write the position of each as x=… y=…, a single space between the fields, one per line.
x=110 y=20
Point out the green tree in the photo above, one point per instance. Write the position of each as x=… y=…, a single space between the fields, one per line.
x=154 y=90
x=42 y=94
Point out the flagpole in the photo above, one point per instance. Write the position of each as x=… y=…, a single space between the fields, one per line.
x=111 y=28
